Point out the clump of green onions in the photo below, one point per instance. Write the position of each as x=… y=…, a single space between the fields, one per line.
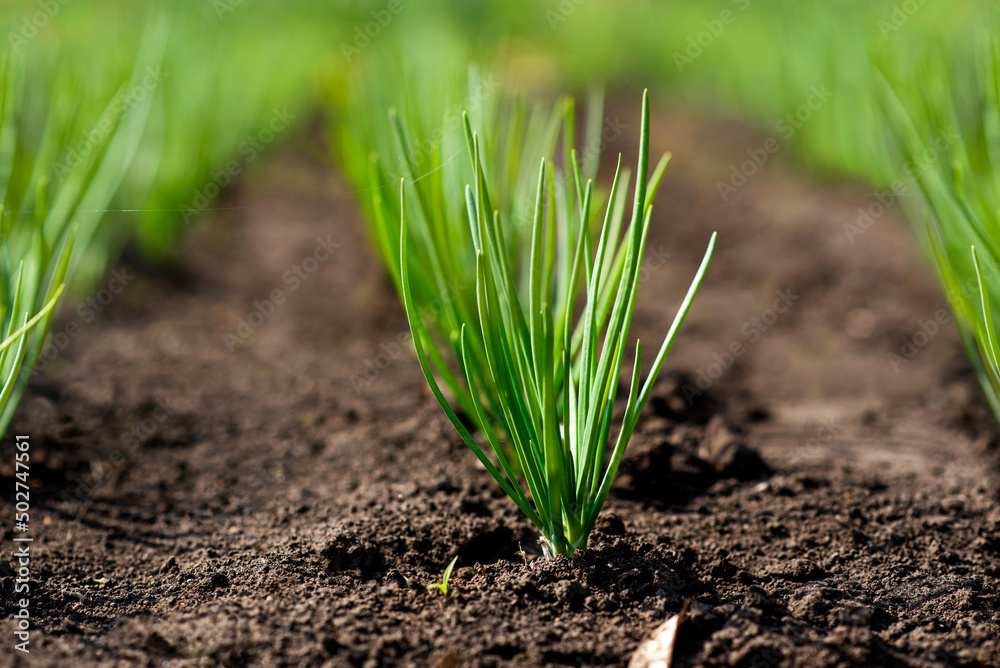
x=556 y=400
x=423 y=138
x=959 y=186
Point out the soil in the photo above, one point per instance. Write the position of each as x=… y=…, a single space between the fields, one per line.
x=286 y=503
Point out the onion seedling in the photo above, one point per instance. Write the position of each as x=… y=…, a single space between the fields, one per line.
x=960 y=187
x=12 y=348
x=443 y=585
x=122 y=136
x=408 y=123
x=555 y=404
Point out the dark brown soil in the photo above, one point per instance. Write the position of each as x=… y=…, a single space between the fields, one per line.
x=286 y=504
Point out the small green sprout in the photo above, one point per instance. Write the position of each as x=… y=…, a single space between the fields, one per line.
x=443 y=585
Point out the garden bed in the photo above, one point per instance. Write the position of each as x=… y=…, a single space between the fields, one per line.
x=821 y=502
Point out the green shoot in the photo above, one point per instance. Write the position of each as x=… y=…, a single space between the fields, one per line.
x=959 y=189
x=554 y=400
x=424 y=140
x=443 y=585
x=109 y=132
x=11 y=364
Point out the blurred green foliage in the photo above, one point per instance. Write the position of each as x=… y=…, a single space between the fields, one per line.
x=122 y=120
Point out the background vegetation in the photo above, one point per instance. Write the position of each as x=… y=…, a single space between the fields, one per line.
x=121 y=120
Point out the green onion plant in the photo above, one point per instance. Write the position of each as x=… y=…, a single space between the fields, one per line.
x=555 y=400
x=50 y=210
x=960 y=186
x=423 y=138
